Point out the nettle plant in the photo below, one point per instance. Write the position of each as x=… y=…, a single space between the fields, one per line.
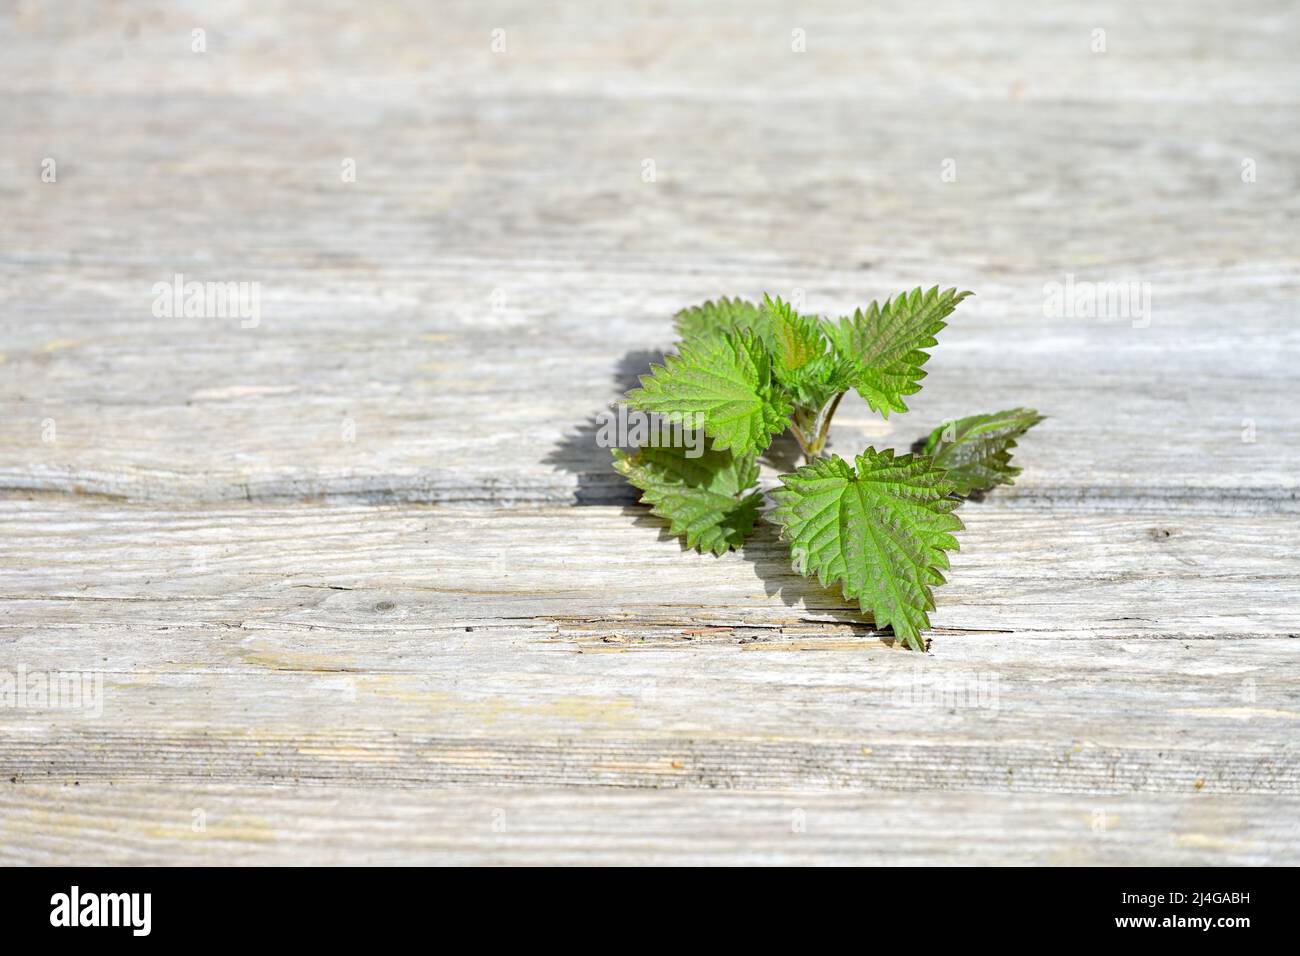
x=879 y=526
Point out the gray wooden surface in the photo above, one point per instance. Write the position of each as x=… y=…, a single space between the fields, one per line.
x=357 y=582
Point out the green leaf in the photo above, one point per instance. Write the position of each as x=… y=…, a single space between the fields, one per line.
x=821 y=380
x=703 y=498
x=887 y=342
x=795 y=340
x=724 y=315
x=975 y=452
x=801 y=359
x=880 y=529
x=724 y=383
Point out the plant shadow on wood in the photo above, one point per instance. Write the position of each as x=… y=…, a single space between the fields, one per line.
x=578 y=453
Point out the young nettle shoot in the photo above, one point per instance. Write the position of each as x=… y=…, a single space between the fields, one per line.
x=879 y=526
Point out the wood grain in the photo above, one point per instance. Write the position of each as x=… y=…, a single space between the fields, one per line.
x=157 y=824
x=447 y=647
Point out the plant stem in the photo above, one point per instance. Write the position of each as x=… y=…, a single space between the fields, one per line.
x=819 y=429
x=823 y=427
x=799 y=436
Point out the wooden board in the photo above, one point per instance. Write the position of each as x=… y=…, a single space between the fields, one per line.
x=356 y=578
x=203 y=823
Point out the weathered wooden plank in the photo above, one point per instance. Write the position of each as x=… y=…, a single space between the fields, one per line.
x=966 y=51
x=438 y=329
x=202 y=823
x=581 y=647
x=425 y=412
x=1049 y=576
